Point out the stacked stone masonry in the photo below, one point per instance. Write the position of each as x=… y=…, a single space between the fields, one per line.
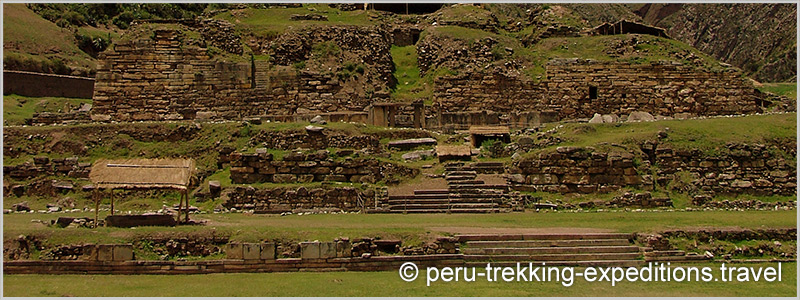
x=287 y=199
x=576 y=88
x=318 y=166
x=167 y=78
x=163 y=78
x=578 y=170
x=744 y=169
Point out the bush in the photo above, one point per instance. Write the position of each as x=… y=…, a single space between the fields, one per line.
x=123 y=20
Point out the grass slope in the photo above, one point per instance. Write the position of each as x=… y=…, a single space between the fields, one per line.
x=16 y=109
x=30 y=39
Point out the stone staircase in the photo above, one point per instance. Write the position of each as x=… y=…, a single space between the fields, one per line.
x=464 y=194
x=580 y=249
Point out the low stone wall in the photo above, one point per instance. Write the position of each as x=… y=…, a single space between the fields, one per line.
x=45 y=166
x=581 y=170
x=317 y=166
x=46 y=85
x=375 y=263
x=741 y=168
x=290 y=140
x=287 y=199
x=706 y=235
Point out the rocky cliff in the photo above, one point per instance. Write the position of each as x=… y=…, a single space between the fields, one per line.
x=759 y=38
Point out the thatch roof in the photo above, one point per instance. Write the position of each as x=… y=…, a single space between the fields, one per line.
x=453 y=150
x=142 y=173
x=488 y=130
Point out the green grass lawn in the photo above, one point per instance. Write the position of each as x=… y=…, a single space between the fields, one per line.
x=709 y=135
x=411 y=228
x=376 y=284
x=788 y=89
x=274 y=21
x=16 y=109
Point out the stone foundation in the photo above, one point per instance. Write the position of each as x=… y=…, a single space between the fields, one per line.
x=318 y=166
x=287 y=199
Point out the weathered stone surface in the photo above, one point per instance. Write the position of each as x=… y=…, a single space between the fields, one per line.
x=639 y=116
x=411 y=143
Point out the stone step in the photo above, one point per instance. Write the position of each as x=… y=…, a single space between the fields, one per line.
x=461 y=173
x=487 y=164
x=454 y=196
x=445 y=201
x=464 y=182
x=552 y=250
x=676 y=258
x=417 y=201
x=443 y=206
x=658 y=253
x=423 y=196
x=585 y=263
x=553 y=257
x=428 y=192
x=459 y=178
x=444 y=211
x=478 y=186
x=547 y=243
x=543 y=236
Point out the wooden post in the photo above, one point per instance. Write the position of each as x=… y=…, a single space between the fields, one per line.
x=180 y=203
x=186 y=196
x=96 y=206
x=112 y=201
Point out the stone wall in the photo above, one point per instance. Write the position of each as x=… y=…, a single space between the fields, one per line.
x=577 y=170
x=318 y=166
x=46 y=85
x=166 y=77
x=576 y=88
x=290 y=140
x=741 y=168
x=46 y=166
x=287 y=199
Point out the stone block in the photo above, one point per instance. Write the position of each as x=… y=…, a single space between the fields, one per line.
x=268 y=251
x=251 y=251
x=309 y=250
x=123 y=252
x=284 y=178
x=234 y=251
x=105 y=252
x=327 y=250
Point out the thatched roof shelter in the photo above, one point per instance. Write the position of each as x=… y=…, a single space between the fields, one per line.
x=478 y=134
x=142 y=173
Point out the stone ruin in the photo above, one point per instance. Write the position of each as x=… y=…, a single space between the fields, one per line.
x=166 y=77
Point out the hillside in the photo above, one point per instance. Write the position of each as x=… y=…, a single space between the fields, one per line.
x=759 y=38
x=32 y=43
x=65 y=38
